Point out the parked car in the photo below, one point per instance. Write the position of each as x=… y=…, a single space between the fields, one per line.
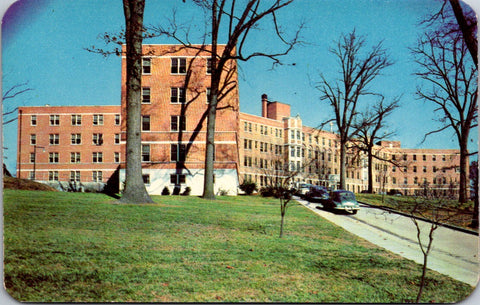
x=342 y=200
x=317 y=194
x=394 y=193
x=303 y=188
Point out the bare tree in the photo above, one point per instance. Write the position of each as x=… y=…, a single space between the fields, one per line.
x=451 y=78
x=235 y=21
x=10 y=94
x=474 y=192
x=371 y=129
x=357 y=72
x=135 y=191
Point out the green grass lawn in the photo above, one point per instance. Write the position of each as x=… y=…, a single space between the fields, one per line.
x=452 y=212
x=73 y=247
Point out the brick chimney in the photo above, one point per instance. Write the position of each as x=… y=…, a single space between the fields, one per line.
x=264 y=105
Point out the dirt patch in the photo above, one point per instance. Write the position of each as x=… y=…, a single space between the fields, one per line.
x=24 y=184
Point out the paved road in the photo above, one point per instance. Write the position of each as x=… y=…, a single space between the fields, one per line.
x=453 y=253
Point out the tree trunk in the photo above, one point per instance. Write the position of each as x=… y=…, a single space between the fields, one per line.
x=462 y=191
x=467 y=31
x=370 y=170
x=343 y=162
x=135 y=191
x=208 y=187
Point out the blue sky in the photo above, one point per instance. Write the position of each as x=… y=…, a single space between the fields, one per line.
x=43 y=44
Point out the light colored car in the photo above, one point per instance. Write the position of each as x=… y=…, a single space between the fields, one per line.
x=303 y=188
x=342 y=200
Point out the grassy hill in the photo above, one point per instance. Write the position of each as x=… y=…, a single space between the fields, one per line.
x=12 y=183
x=85 y=247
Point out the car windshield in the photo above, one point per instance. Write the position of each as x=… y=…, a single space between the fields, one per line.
x=344 y=196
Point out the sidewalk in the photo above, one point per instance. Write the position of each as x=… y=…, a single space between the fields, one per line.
x=453 y=253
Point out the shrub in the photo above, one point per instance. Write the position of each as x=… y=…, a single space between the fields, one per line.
x=248 y=187
x=176 y=190
x=187 y=191
x=165 y=191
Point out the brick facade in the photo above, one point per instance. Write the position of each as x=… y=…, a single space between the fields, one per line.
x=78 y=144
x=85 y=145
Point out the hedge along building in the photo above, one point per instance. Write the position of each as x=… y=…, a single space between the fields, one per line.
x=175 y=97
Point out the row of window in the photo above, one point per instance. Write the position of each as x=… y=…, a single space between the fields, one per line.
x=178 y=65
x=264 y=147
x=424 y=157
x=75 y=157
x=416 y=180
x=264 y=130
x=76 y=120
x=96 y=176
x=75 y=139
x=425 y=169
x=177 y=95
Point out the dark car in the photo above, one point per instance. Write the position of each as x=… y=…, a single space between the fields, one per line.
x=342 y=200
x=394 y=193
x=317 y=194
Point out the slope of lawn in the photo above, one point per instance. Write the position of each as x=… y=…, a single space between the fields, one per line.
x=72 y=247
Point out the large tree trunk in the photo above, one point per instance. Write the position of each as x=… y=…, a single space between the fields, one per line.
x=208 y=187
x=135 y=191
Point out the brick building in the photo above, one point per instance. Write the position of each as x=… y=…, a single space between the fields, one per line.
x=175 y=91
x=69 y=146
x=83 y=146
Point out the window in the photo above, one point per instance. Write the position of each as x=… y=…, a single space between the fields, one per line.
x=424 y=157
x=434 y=169
x=146 y=179
x=178 y=123
x=33 y=139
x=414 y=157
x=97 y=176
x=74 y=176
x=31 y=175
x=424 y=169
x=434 y=158
x=177 y=179
x=209 y=66
x=117 y=138
x=394 y=180
x=54 y=120
x=97 y=139
x=52 y=175
x=116 y=157
x=76 y=138
x=74 y=157
x=179 y=65
x=145 y=153
x=394 y=168
x=414 y=169
x=53 y=157
x=404 y=157
x=177 y=152
x=405 y=180
x=146 y=95
x=54 y=139
x=76 y=120
x=97 y=157
x=97 y=119
x=32 y=157
x=177 y=95
x=146 y=66
x=415 y=180
x=444 y=158
x=117 y=119
x=145 y=122
x=33 y=120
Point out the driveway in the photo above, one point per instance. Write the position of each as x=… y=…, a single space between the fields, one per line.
x=453 y=253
